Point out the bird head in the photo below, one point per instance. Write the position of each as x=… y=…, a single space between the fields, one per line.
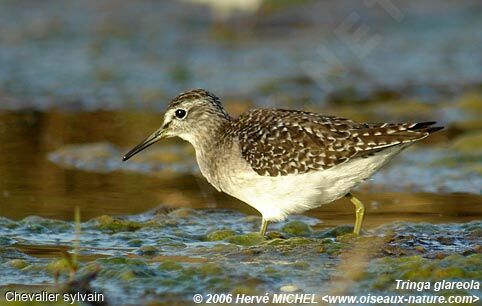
x=189 y=115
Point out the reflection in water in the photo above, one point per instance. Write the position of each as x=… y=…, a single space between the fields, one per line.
x=31 y=185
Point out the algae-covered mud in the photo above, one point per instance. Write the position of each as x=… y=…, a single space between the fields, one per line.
x=81 y=83
x=168 y=255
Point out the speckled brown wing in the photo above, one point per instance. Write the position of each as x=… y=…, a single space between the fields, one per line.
x=281 y=142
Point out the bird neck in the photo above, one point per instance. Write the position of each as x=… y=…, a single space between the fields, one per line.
x=207 y=142
x=209 y=133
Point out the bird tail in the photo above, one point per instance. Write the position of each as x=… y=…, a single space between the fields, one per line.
x=385 y=135
x=425 y=127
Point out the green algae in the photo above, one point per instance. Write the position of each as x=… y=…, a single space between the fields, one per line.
x=332 y=249
x=240 y=290
x=18 y=263
x=246 y=239
x=115 y=225
x=125 y=236
x=336 y=231
x=448 y=273
x=274 y=235
x=292 y=242
x=124 y=269
x=119 y=261
x=209 y=269
x=61 y=266
x=224 y=248
x=220 y=235
x=170 y=265
x=176 y=260
x=384 y=271
x=300 y=264
x=128 y=275
x=297 y=228
x=348 y=237
x=210 y=272
x=135 y=242
x=148 y=250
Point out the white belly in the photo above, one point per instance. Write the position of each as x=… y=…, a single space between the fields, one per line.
x=277 y=197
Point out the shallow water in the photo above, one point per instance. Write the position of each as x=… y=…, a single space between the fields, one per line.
x=142 y=239
x=46 y=174
x=153 y=229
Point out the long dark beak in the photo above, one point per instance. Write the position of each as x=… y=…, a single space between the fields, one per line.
x=156 y=136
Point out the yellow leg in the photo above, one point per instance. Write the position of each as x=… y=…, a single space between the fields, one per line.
x=360 y=212
x=264 y=226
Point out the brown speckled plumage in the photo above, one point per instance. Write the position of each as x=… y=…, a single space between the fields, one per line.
x=281 y=142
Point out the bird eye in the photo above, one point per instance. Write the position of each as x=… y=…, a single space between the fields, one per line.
x=180 y=113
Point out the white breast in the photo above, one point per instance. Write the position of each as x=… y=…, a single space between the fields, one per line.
x=276 y=197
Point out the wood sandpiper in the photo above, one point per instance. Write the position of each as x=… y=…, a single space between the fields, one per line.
x=280 y=161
